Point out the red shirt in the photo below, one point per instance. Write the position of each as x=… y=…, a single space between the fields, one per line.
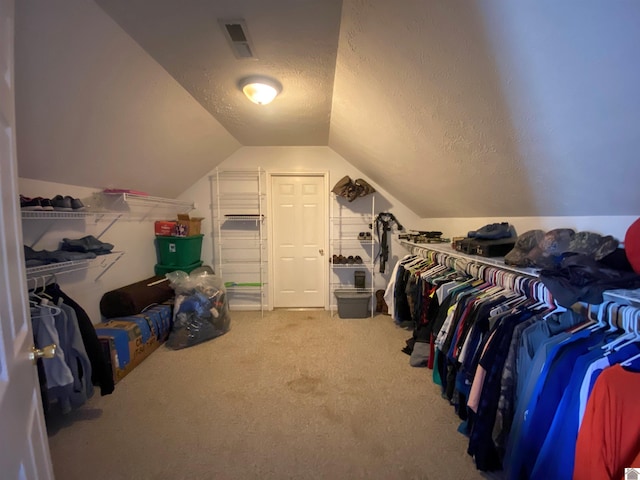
x=609 y=437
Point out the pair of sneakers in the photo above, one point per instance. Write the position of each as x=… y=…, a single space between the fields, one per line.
x=35 y=204
x=348 y=260
x=59 y=203
x=364 y=236
x=67 y=203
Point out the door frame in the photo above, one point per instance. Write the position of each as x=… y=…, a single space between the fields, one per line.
x=325 y=241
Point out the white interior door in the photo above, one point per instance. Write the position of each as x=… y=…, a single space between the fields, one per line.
x=299 y=235
x=24 y=449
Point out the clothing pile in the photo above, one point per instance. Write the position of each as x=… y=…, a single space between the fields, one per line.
x=575 y=266
x=84 y=248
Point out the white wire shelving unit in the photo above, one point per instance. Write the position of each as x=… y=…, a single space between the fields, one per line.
x=346 y=223
x=239 y=246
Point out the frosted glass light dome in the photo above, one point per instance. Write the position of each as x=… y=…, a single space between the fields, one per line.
x=260 y=90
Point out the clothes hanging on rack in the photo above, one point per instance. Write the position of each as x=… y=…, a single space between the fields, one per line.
x=67 y=376
x=101 y=373
x=515 y=365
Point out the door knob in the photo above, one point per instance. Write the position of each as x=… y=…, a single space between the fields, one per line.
x=321 y=251
x=46 y=352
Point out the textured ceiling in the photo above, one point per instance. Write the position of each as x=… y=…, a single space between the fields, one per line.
x=295 y=42
x=493 y=107
x=486 y=108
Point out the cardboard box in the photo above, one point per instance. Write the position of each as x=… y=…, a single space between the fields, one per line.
x=165 y=227
x=154 y=322
x=126 y=344
x=187 y=226
x=109 y=353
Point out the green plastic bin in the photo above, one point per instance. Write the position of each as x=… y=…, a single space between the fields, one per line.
x=178 y=250
x=164 y=269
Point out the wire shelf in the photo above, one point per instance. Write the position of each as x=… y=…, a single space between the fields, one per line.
x=244 y=217
x=449 y=250
x=101 y=261
x=59 y=215
x=128 y=201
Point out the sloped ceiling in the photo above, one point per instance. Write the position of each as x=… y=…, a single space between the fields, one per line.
x=459 y=108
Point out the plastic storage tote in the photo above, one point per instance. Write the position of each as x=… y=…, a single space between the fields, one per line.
x=178 y=250
x=353 y=304
x=164 y=269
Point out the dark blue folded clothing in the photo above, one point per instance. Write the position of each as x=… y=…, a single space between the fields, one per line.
x=493 y=231
x=86 y=244
x=35 y=258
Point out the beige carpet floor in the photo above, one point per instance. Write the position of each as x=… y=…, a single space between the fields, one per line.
x=293 y=395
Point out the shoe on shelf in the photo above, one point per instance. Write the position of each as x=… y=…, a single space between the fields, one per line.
x=62 y=204
x=76 y=204
x=46 y=203
x=357 y=259
x=32 y=204
x=350 y=259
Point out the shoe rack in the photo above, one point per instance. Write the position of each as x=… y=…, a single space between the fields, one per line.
x=352 y=247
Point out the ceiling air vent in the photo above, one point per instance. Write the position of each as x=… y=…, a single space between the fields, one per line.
x=235 y=31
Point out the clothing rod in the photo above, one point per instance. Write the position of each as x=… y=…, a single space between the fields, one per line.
x=446 y=249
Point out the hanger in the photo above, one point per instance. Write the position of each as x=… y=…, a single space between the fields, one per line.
x=629 y=361
x=42 y=293
x=633 y=327
x=52 y=310
x=35 y=301
x=626 y=326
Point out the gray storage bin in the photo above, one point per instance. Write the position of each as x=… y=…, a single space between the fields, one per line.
x=353 y=304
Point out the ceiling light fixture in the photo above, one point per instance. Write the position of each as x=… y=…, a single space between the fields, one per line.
x=260 y=90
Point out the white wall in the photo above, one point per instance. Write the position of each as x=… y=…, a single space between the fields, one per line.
x=134 y=237
x=298 y=160
x=320 y=159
